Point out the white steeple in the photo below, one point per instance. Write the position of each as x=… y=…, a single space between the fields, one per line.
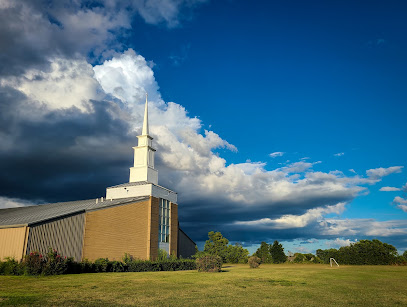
x=145 y=123
x=143 y=169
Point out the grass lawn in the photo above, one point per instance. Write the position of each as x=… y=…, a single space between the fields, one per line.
x=238 y=285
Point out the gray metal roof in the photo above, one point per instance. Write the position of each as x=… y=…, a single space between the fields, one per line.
x=40 y=213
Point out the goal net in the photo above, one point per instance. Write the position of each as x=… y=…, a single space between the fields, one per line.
x=332 y=260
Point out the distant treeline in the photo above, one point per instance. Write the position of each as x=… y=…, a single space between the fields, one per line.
x=364 y=252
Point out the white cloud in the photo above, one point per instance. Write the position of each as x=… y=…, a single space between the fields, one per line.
x=363 y=227
x=68 y=83
x=339 y=154
x=401 y=203
x=168 y=11
x=339 y=242
x=389 y=189
x=378 y=173
x=294 y=221
x=9 y=202
x=276 y=154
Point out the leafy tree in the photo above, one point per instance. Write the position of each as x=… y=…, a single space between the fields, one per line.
x=263 y=252
x=362 y=252
x=236 y=254
x=216 y=245
x=405 y=254
x=277 y=253
x=326 y=254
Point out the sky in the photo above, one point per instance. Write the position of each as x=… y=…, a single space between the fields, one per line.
x=272 y=120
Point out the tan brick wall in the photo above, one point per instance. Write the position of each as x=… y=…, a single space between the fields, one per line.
x=154 y=222
x=13 y=242
x=174 y=229
x=111 y=232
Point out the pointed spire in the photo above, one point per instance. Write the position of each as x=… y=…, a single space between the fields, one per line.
x=145 y=123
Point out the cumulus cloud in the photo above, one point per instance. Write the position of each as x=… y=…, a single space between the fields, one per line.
x=401 y=203
x=34 y=32
x=380 y=172
x=389 y=189
x=7 y=202
x=339 y=154
x=68 y=83
x=294 y=221
x=339 y=242
x=364 y=227
x=276 y=154
x=167 y=11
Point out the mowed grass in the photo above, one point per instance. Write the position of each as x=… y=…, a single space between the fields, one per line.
x=238 y=285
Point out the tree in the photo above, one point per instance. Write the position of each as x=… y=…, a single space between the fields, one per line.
x=263 y=252
x=216 y=245
x=277 y=253
x=362 y=252
x=236 y=254
x=405 y=254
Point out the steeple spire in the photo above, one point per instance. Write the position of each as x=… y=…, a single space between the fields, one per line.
x=145 y=123
x=143 y=169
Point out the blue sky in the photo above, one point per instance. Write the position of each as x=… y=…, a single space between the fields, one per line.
x=231 y=82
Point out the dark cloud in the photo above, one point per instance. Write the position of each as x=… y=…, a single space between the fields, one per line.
x=66 y=155
x=33 y=32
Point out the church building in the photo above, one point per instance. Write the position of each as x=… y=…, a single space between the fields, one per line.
x=138 y=218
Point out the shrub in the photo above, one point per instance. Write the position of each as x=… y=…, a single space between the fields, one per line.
x=127 y=258
x=162 y=255
x=87 y=267
x=33 y=263
x=254 y=262
x=10 y=267
x=101 y=265
x=209 y=263
x=118 y=266
x=73 y=267
x=55 y=264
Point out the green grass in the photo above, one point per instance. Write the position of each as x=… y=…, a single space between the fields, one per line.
x=238 y=285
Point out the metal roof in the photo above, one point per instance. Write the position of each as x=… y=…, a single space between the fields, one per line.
x=40 y=213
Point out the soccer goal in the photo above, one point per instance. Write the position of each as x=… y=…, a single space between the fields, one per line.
x=332 y=260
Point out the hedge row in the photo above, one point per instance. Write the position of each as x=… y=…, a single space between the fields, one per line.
x=54 y=264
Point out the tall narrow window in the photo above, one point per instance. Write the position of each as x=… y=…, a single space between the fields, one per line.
x=164 y=225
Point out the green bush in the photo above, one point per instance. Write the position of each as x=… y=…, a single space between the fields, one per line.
x=10 y=267
x=118 y=266
x=102 y=265
x=254 y=262
x=209 y=263
x=33 y=263
x=55 y=264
